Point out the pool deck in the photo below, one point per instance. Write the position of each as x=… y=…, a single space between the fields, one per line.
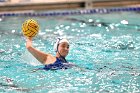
x=64 y=4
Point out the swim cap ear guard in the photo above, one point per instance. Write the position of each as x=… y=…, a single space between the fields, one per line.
x=58 y=41
x=56 y=44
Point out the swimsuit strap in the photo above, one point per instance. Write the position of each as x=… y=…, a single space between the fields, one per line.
x=60 y=63
x=62 y=59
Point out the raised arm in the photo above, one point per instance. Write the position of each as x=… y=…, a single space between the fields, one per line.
x=40 y=56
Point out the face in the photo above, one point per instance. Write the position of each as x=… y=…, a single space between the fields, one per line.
x=63 y=49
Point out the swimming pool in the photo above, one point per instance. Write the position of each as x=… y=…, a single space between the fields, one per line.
x=106 y=45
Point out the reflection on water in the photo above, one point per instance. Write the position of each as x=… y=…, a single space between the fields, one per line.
x=105 y=47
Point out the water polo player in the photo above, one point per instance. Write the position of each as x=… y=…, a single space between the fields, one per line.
x=51 y=62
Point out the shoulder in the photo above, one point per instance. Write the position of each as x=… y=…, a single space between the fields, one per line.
x=50 y=59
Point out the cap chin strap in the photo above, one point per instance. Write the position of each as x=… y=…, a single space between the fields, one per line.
x=62 y=57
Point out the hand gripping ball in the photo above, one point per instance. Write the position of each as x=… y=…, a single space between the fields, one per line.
x=30 y=28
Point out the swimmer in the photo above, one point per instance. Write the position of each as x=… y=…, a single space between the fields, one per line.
x=51 y=62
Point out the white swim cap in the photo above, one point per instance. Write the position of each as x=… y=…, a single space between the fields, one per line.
x=59 y=40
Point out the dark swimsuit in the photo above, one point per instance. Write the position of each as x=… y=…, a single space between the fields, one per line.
x=58 y=64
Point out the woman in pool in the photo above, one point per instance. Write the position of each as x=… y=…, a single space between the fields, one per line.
x=52 y=62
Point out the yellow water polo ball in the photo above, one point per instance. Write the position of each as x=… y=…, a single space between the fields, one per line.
x=30 y=28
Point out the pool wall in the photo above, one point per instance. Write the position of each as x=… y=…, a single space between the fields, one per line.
x=24 y=5
x=72 y=12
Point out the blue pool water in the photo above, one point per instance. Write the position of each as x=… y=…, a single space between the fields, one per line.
x=105 y=46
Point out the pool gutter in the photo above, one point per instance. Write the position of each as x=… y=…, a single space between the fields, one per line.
x=69 y=4
x=71 y=12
